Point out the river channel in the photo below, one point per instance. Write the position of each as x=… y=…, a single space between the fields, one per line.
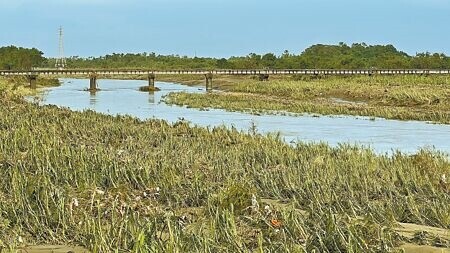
x=124 y=97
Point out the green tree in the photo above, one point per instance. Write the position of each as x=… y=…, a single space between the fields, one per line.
x=14 y=58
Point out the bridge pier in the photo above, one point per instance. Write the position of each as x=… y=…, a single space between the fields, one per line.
x=32 y=79
x=151 y=82
x=263 y=77
x=208 y=79
x=93 y=82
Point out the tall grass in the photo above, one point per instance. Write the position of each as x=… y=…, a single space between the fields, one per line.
x=20 y=86
x=118 y=183
x=394 y=97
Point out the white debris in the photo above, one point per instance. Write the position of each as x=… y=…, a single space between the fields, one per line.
x=99 y=192
x=75 y=202
x=255 y=204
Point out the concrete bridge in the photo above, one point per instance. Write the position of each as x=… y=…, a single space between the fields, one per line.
x=208 y=74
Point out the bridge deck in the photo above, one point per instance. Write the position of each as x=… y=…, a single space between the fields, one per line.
x=66 y=72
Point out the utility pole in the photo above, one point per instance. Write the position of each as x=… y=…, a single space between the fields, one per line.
x=61 y=60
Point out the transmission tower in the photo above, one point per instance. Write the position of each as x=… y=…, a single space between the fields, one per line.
x=61 y=60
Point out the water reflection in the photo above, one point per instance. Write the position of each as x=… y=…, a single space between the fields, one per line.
x=151 y=97
x=124 y=97
x=92 y=98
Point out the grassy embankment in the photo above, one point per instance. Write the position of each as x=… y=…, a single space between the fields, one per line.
x=20 y=86
x=425 y=98
x=118 y=183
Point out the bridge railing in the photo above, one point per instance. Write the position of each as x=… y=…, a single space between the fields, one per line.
x=57 y=72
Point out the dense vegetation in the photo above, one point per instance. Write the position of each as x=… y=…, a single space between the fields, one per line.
x=118 y=183
x=341 y=56
x=19 y=85
x=424 y=98
x=357 y=56
x=20 y=58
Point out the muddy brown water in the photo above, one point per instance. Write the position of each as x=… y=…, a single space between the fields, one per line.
x=52 y=249
x=412 y=248
x=408 y=248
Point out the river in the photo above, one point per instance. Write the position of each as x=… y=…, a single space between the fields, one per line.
x=123 y=97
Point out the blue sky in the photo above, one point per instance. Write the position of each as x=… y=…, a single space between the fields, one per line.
x=222 y=28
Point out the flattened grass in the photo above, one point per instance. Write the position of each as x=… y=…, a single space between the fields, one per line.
x=425 y=98
x=117 y=183
x=20 y=85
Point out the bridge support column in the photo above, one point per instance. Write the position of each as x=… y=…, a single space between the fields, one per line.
x=32 y=80
x=93 y=82
x=208 y=79
x=151 y=82
x=263 y=77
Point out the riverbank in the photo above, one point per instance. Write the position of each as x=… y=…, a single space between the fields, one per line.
x=20 y=85
x=134 y=185
x=122 y=97
x=425 y=98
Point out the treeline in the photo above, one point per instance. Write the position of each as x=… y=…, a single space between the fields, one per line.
x=12 y=57
x=362 y=56
x=341 y=56
x=143 y=60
